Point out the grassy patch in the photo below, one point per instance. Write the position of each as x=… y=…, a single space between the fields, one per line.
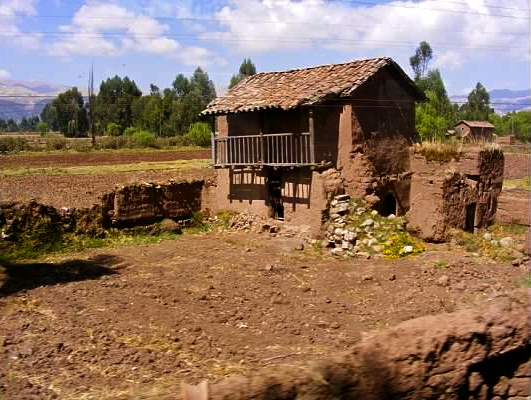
x=524 y=183
x=441 y=264
x=488 y=242
x=437 y=151
x=106 y=169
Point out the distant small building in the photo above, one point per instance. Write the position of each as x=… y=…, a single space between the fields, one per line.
x=474 y=130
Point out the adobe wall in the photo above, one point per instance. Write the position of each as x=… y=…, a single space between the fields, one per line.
x=479 y=353
x=305 y=193
x=459 y=194
x=148 y=202
x=514 y=207
x=375 y=163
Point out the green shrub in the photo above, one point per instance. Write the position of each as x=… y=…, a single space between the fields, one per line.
x=42 y=127
x=200 y=134
x=130 y=131
x=113 y=129
x=13 y=144
x=113 y=142
x=144 y=139
x=56 y=142
x=403 y=244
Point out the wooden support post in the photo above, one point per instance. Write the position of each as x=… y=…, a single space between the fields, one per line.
x=312 y=136
x=213 y=138
x=262 y=147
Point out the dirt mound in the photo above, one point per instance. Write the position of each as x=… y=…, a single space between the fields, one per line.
x=469 y=354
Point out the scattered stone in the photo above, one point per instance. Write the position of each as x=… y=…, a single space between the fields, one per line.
x=506 y=242
x=377 y=248
x=367 y=222
x=363 y=254
x=487 y=236
x=460 y=286
x=392 y=277
x=337 y=251
x=443 y=280
x=367 y=278
x=335 y=325
x=299 y=246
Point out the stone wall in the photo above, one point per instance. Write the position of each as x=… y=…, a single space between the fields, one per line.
x=478 y=353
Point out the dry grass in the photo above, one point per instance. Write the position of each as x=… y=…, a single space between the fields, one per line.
x=107 y=169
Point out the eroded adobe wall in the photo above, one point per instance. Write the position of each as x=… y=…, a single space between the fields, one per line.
x=148 y=202
x=514 y=207
x=382 y=129
x=457 y=194
x=479 y=353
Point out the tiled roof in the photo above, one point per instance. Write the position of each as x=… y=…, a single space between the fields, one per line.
x=289 y=89
x=476 y=124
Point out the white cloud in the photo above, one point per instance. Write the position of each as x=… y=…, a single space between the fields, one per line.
x=106 y=28
x=455 y=31
x=4 y=74
x=9 y=30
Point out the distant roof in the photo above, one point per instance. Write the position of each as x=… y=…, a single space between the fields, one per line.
x=476 y=124
x=307 y=86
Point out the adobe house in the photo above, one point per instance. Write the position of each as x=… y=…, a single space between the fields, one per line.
x=474 y=130
x=286 y=142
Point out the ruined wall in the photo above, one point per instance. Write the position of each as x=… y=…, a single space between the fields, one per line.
x=382 y=129
x=480 y=353
x=147 y=202
x=458 y=194
x=514 y=207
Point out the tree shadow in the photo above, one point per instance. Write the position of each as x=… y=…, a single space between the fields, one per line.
x=25 y=276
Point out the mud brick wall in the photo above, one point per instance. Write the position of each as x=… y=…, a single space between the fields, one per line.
x=514 y=207
x=458 y=194
x=517 y=166
x=148 y=202
x=479 y=353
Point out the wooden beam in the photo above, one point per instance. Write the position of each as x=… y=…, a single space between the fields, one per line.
x=312 y=136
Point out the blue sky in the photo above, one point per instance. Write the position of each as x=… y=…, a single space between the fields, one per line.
x=152 y=41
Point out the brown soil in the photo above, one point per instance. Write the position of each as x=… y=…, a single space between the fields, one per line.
x=134 y=322
x=82 y=190
x=85 y=190
x=97 y=158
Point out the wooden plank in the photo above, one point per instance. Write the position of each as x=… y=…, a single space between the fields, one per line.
x=312 y=135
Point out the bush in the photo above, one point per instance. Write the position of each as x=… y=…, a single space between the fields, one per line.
x=130 y=131
x=200 y=134
x=144 y=139
x=56 y=142
x=113 y=129
x=13 y=144
x=113 y=142
x=42 y=127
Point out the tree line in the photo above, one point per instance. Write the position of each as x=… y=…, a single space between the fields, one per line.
x=436 y=116
x=120 y=107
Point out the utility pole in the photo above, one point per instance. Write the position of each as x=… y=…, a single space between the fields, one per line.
x=91 y=105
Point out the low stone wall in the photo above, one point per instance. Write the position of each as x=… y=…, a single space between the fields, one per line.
x=481 y=353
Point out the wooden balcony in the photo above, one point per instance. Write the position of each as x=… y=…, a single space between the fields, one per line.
x=278 y=149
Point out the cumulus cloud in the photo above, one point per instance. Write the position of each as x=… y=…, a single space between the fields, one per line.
x=4 y=74
x=454 y=30
x=103 y=28
x=9 y=29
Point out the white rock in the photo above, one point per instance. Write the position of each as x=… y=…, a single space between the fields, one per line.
x=406 y=249
x=374 y=212
x=368 y=222
x=487 y=236
x=337 y=251
x=506 y=242
x=391 y=216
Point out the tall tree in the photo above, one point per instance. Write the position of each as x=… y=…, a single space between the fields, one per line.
x=478 y=105
x=70 y=113
x=114 y=102
x=49 y=115
x=420 y=61
x=437 y=114
x=247 y=68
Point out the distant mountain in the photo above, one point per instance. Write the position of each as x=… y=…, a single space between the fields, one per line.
x=20 y=99
x=505 y=100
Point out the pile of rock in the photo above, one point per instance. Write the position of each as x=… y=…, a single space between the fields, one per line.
x=355 y=230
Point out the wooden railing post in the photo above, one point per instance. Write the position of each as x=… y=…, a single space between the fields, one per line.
x=312 y=136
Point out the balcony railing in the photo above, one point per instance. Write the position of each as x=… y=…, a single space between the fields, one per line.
x=278 y=149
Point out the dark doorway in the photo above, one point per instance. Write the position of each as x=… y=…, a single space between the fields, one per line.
x=389 y=205
x=470 y=217
x=275 y=195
